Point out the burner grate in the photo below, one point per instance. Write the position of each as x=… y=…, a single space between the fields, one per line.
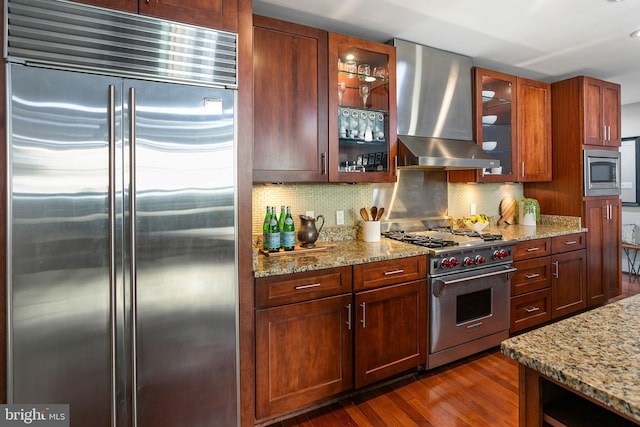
x=425 y=241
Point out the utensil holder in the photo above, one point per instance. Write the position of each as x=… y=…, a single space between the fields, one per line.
x=371 y=231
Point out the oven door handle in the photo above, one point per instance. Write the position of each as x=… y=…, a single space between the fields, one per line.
x=439 y=284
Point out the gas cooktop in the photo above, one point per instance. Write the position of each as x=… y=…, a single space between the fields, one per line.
x=447 y=240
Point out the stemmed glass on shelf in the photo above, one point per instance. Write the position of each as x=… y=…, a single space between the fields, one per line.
x=364 y=93
x=342 y=86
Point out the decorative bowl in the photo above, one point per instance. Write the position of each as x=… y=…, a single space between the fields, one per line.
x=476 y=226
x=489 y=120
x=489 y=145
x=487 y=94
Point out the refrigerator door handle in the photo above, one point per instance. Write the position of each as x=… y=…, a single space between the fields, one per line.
x=112 y=245
x=132 y=250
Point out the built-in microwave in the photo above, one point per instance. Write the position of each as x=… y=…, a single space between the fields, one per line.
x=601 y=173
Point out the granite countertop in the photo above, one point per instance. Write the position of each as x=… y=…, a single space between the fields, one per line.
x=596 y=353
x=346 y=250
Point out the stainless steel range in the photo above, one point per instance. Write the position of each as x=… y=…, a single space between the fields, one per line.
x=468 y=285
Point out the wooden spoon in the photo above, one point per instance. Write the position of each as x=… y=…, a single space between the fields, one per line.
x=380 y=212
x=374 y=213
x=364 y=214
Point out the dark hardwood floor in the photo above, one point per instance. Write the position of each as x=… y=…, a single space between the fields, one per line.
x=481 y=390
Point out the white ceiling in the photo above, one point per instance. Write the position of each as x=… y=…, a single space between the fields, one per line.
x=547 y=40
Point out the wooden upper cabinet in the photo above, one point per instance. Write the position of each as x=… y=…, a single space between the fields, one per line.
x=512 y=122
x=362 y=129
x=601 y=112
x=290 y=102
x=495 y=116
x=219 y=14
x=534 y=131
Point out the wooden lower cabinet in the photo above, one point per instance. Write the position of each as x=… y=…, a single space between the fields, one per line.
x=390 y=331
x=303 y=354
x=550 y=281
x=568 y=283
x=603 y=219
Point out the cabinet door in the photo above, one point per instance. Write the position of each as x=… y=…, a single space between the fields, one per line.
x=601 y=113
x=303 y=354
x=568 y=284
x=290 y=102
x=603 y=217
x=534 y=131
x=220 y=14
x=391 y=331
x=362 y=125
x=593 y=126
x=611 y=114
x=495 y=121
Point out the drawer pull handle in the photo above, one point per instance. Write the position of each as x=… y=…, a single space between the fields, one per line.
x=389 y=273
x=532 y=276
x=571 y=242
x=532 y=249
x=349 y=317
x=531 y=309
x=473 y=327
x=364 y=315
x=312 y=285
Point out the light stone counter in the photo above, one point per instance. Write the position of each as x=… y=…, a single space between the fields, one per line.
x=596 y=353
x=348 y=251
x=345 y=252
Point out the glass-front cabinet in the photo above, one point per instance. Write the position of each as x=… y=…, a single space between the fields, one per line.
x=495 y=122
x=362 y=110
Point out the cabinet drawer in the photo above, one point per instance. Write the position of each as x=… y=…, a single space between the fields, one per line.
x=530 y=309
x=295 y=287
x=528 y=249
x=569 y=242
x=381 y=273
x=532 y=275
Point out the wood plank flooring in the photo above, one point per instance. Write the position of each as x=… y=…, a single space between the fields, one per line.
x=478 y=391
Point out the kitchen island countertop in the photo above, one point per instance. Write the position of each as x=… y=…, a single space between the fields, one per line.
x=350 y=252
x=596 y=353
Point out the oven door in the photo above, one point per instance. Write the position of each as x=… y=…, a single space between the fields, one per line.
x=467 y=306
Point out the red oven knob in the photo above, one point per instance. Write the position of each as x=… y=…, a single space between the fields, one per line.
x=468 y=261
x=500 y=254
x=450 y=263
x=480 y=259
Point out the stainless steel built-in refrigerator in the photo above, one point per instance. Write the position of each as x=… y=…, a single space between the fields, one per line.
x=121 y=248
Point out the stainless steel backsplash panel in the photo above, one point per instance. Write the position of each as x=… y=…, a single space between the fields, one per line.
x=419 y=196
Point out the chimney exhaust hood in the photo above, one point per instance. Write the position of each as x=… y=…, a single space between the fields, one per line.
x=434 y=101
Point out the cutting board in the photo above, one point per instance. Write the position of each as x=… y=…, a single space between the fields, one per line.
x=299 y=250
x=507 y=211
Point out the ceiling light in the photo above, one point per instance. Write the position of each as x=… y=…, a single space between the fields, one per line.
x=636 y=33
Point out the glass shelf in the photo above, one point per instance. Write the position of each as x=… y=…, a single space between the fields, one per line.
x=354 y=80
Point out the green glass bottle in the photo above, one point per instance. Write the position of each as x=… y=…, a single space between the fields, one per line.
x=274 y=232
x=265 y=230
x=288 y=232
x=281 y=224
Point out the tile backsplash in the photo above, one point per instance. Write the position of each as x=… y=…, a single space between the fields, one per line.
x=322 y=199
x=326 y=199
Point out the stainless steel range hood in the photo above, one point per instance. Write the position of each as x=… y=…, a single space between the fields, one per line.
x=434 y=110
x=451 y=154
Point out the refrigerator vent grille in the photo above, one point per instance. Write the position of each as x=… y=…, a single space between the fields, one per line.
x=69 y=35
